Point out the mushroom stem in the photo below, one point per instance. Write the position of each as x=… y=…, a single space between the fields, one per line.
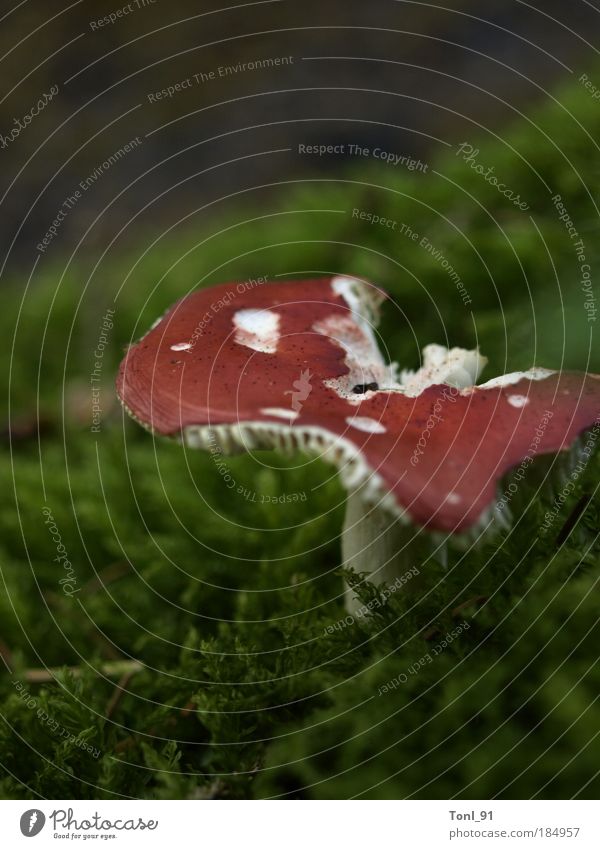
x=374 y=542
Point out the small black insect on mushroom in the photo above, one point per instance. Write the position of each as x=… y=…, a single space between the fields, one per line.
x=361 y=388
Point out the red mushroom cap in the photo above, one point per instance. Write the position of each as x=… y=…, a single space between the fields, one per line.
x=296 y=365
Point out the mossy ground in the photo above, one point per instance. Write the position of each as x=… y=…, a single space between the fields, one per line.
x=226 y=599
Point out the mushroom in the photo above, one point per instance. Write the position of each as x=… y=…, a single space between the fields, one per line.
x=295 y=365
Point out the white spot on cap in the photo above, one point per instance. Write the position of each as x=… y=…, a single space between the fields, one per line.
x=518 y=400
x=181 y=346
x=365 y=424
x=453 y=498
x=257 y=329
x=280 y=412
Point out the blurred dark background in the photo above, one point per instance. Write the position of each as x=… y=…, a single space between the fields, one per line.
x=410 y=77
